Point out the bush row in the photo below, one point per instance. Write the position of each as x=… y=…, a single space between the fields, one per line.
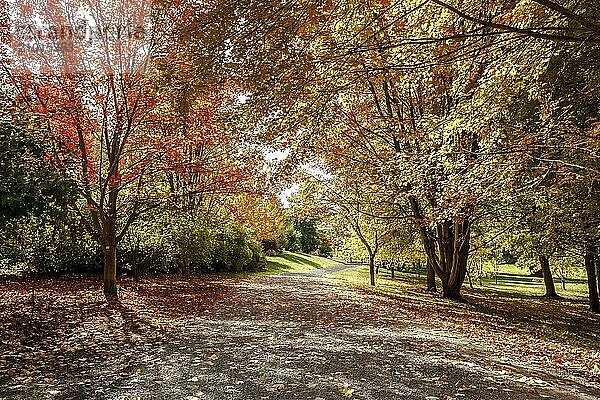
x=159 y=242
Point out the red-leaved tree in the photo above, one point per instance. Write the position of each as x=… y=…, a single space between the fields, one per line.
x=88 y=69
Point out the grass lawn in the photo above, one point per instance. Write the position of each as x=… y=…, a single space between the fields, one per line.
x=534 y=286
x=513 y=279
x=296 y=262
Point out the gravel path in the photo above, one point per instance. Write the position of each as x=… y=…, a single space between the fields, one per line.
x=302 y=336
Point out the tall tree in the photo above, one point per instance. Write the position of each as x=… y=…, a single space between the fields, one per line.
x=349 y=207
x=128 y=139
x=403 y=130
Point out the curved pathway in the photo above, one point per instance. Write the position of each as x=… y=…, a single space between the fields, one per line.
x=299 y=336
x=303 y=336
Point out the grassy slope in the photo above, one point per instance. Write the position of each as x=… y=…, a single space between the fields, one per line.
x=296 y=262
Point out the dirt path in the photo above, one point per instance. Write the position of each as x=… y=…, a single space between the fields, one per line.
x=302 y=336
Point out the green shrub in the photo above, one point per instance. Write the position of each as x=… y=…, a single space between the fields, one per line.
x=272 y=247
x=325 y=249
x=157 y=242
x=236 y=250
x=194 y=243
x=188 y=243
x=48 y=247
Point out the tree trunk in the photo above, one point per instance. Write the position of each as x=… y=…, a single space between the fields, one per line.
x=109 y=244
x=431 y=279
x=450 y=261
x=592 y=278
x=470 y=280
x=372 y=268
x=393 y=268
x=184 y=267
x=597 y=265
x=110 y=272
x=451 y=292
x=547 y=274
x=447 y=249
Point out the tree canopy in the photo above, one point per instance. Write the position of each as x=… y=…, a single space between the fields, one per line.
x=465 y=126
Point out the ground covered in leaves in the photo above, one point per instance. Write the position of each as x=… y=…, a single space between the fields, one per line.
x=292 y=336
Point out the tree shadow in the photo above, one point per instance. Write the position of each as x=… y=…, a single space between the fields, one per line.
x=299 y=259
x=561 y=318
x=132 y=322
x=277 y=266
x=169 y=296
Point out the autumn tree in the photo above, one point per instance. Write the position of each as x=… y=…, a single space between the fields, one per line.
x=402 y=130
x=89 y=79
x=564 y=22
x=263 y=214
x=129 y=141
x=416 y=94
x=349 y=207
x=357 y=212
x=552 y=113
x=572 y=152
